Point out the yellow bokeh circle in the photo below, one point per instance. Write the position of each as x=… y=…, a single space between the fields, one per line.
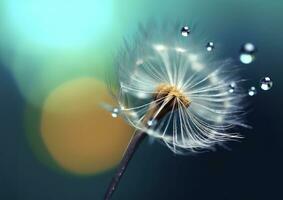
x=80 y=135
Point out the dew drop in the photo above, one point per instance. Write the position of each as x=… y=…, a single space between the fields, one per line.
x=247 y=53
x=185 y=31
x=266 y=83
x=209 y=46
x=232 y=87
x=115 y=113
x=252 y=91
x=246 y=58
x=151 y=122
x=248 y=48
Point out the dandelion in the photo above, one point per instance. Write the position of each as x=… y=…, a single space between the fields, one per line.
x=172 y=89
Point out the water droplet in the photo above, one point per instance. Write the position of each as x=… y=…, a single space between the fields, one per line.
x=151 y=122
x=247 y=53
x=246 y=58
x=209 y=46
x=266 y=83
x=232 y=87
x=115 y=113
x=252 y=91
x=185 y=31
x=248 y=48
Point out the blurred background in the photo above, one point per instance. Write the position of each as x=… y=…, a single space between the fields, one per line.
x=56 y=142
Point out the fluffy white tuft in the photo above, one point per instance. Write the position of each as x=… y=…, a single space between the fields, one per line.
x=159 y=54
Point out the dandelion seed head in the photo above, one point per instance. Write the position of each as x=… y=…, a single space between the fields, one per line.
x=182 y=90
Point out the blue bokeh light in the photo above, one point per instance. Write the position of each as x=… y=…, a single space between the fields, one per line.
x=59 y=23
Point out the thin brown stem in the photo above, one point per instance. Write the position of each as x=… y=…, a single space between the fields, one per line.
x=131 y=149
x=169 y=94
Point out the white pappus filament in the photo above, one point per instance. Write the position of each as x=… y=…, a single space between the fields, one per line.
x=160 y=56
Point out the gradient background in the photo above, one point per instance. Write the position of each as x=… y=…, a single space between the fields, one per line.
x=57 y=143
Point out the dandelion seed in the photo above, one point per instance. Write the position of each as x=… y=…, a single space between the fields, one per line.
x=186 y=104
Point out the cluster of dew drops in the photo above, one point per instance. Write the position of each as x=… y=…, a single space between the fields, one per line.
x=247 y=54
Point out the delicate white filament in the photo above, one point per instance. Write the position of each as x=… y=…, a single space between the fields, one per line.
x=153 y=59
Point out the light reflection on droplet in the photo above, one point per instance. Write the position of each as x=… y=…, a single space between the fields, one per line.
x=209 y=46
x=185 y=31
x=246 y=58
x=248 y=48
x=151 y=122
x=247 y=53
x=266 y=83
x=252 y=91
x=232 y=87
x=115 y=113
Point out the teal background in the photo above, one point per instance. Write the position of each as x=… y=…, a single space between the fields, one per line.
x=251 y=170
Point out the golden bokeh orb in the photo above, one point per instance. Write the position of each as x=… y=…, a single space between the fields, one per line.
x=81 y=136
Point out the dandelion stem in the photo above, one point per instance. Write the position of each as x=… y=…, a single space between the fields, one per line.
x=131 y=149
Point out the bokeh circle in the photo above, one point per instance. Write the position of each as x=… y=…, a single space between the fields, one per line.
x=80 y=135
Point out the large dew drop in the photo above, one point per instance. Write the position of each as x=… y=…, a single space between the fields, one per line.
x=247 y=53
x=266 y=83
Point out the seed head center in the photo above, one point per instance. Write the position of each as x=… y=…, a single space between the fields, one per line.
x=169 y=94
x=172 y=93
